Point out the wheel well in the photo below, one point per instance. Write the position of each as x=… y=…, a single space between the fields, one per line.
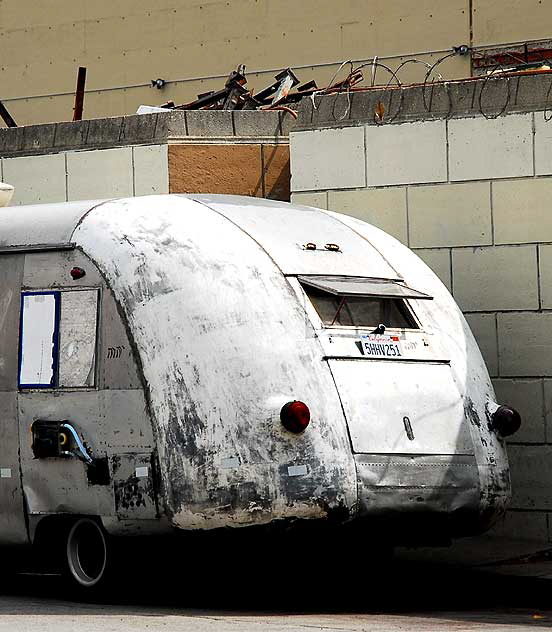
x=51 y=531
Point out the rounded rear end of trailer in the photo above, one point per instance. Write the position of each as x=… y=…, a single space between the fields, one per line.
x=224 y=348
x=241 y=308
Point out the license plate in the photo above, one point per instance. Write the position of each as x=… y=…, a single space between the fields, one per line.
x=381 y=346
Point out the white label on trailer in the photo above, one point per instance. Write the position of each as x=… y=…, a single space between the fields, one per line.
x=142 y=472
x=5 y=472
x=229 y=463
x=297 y=470
x=381 y=346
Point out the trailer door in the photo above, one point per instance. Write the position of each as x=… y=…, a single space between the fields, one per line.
x=13 y=528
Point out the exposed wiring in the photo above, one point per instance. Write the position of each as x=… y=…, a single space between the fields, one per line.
x=284 y=109
x=86 y=457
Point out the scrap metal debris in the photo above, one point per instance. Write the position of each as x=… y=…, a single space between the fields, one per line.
x=277 y=96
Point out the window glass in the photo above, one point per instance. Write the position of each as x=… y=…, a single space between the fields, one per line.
x=38 y=339
x=360 y=311
x=77 y=340
x=58 y=339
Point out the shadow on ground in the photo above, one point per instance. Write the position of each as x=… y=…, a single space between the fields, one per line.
x=275 y=589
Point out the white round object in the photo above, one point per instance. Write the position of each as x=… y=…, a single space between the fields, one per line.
x=6 y=193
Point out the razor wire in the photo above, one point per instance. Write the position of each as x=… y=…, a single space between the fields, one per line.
x=390 y=105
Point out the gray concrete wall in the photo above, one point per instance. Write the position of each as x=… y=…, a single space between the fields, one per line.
x=472 y=196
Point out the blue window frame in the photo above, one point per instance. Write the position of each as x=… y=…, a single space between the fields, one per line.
x=39 y=339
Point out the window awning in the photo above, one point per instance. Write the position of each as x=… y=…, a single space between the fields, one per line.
x=360 y=286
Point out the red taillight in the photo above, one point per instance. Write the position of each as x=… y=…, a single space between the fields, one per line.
x=295 y=416
x=77 y=273
x=506 y=420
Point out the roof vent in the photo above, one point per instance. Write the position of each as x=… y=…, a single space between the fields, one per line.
x=6 y=193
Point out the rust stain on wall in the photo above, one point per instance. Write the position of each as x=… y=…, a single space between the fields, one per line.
x=276 y=172
x=233 y=169
x=257 y=170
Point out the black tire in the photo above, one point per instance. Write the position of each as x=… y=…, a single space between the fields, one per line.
x=87 y=567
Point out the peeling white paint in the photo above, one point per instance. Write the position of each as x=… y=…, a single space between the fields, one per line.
x=225 y=340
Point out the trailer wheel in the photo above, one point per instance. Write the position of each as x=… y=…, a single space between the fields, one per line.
x=87 y=556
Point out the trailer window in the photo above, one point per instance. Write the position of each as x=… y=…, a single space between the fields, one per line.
x=77 y=338
x=360 y=311
x=58 y=339
x=38 y=339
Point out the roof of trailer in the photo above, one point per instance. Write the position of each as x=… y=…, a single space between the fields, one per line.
x=283 y=230
x=36 y=225
x=52 y=225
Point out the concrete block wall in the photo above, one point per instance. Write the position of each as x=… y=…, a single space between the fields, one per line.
x=87 y=175
x=473 y=197
x=244 y=153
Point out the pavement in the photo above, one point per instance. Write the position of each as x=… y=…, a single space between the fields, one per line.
x=458 y=588
x=490 y=553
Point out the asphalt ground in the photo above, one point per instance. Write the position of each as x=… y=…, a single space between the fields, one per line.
x=283 y=595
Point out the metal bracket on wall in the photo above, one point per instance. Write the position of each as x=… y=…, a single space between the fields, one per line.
x=6 y=116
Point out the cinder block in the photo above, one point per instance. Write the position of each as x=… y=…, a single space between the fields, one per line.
x=483 y=327
x=545 y=275
x=521 y=210
x=408 y=153
x=138 y=128
x=522 y=525
x=235 y=169
x=331 y=109
x=276 y=172
x=151 y=169
x=71 y=134
x=384 y=208
x=287 y=122
x=11 y=140
x=37 y=179
x=318 y=200
x=328 y=159
x=526 y=396
x=171 y=124
x=213 y=123
x=525 y=344
x=531 y=474
x=256 y=123
x=543 y=142
x=104 y=131
x=99 y=174
x=482 y=149
x=450 y=215
x=499 y=278
x=36 y=137
x=439 y=261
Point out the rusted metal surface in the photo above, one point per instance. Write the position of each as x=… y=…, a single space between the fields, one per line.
x=6 y=116
x=79 y=94
x=204 y=333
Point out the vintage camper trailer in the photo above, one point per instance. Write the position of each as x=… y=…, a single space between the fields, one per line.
x=173 y=363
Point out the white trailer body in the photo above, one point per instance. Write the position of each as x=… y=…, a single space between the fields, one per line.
x=197 y=319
